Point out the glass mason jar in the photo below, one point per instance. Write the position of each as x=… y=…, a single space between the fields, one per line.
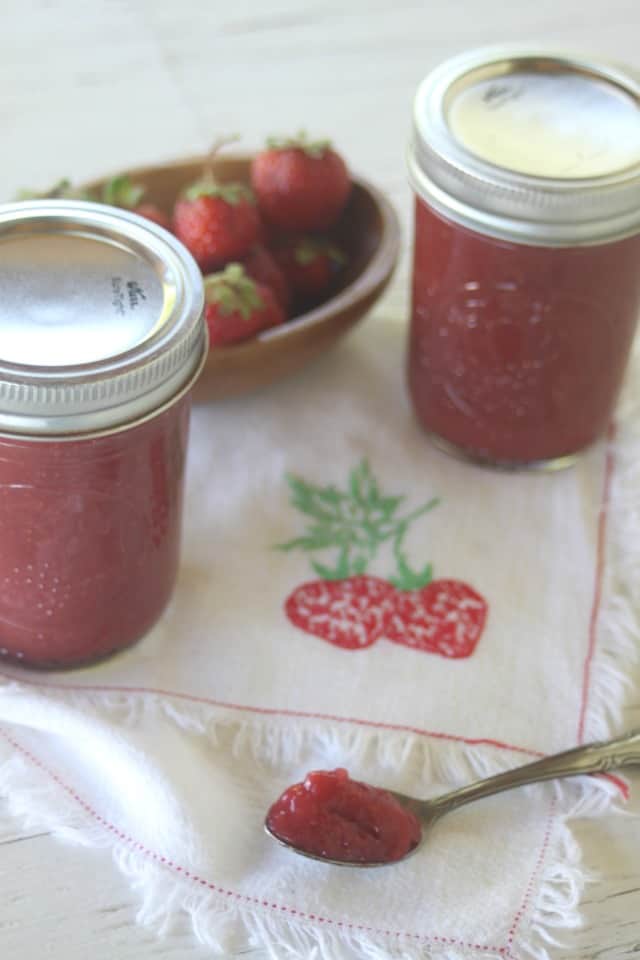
x=101 y=340
x=526 y=271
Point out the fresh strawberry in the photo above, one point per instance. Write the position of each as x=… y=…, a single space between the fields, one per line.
x=262 y=267
x=217 y=222
x=237 y=308
x=309 y=264
x=445 y=617
x=351 y=613
x=300 y=185
x=121 y=192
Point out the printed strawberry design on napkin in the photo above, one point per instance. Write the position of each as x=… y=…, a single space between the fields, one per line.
x=351 y=609
x=351 y=613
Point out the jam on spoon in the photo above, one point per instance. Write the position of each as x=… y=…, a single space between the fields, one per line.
x=332 y=817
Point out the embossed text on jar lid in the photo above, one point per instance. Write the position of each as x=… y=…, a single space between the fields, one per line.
x=530 y=145
x=100 y=317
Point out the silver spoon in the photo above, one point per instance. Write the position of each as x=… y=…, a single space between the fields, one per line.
x=622 y=751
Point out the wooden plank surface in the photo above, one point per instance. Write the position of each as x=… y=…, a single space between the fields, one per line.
x=86 y=88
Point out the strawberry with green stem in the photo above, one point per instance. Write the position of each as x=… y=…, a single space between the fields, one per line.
x=217 y=222
x=351 y=609
x=301 y=184
x=237 y=308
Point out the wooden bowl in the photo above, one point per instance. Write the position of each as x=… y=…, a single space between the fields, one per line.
x=369 y=233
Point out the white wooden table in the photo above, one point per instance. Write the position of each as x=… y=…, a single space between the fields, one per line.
x=86 y=88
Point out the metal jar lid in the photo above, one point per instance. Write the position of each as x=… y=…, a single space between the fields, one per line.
x=100 y=318
x=526 y=145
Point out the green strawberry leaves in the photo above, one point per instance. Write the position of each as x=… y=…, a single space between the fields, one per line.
x=62 y=190
x=341 y=571
x=354 y=523
x=233 y=291
x=408 y=579
x=313 y=148
x=121 y=192
x=232 y=193
x=117 y=192
x=310 y=248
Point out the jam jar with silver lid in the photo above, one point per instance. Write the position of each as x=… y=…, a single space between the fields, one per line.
x=526 y=272
x=101 y=340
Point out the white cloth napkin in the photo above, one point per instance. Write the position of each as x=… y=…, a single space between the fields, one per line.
x=172 y=752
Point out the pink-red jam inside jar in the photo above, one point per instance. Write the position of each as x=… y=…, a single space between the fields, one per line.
x=90 y=534
x=100 y=343
x=517 y=353
x=526 y=261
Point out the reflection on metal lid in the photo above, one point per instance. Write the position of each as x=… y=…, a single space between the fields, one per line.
x=71 y=299
x=100 y=317
x=529 y=145
x=548 y=124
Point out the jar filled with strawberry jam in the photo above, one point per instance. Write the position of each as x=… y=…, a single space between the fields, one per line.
x=101 y=339
x=526 y=273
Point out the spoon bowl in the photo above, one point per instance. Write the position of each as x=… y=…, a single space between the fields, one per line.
x=417 y=807
x=623 y=751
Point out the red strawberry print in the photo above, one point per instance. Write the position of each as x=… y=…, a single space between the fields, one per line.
x=445 y=617
x=351 y=613
x=351 y=609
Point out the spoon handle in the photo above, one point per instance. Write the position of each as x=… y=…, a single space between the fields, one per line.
x=623 y=751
